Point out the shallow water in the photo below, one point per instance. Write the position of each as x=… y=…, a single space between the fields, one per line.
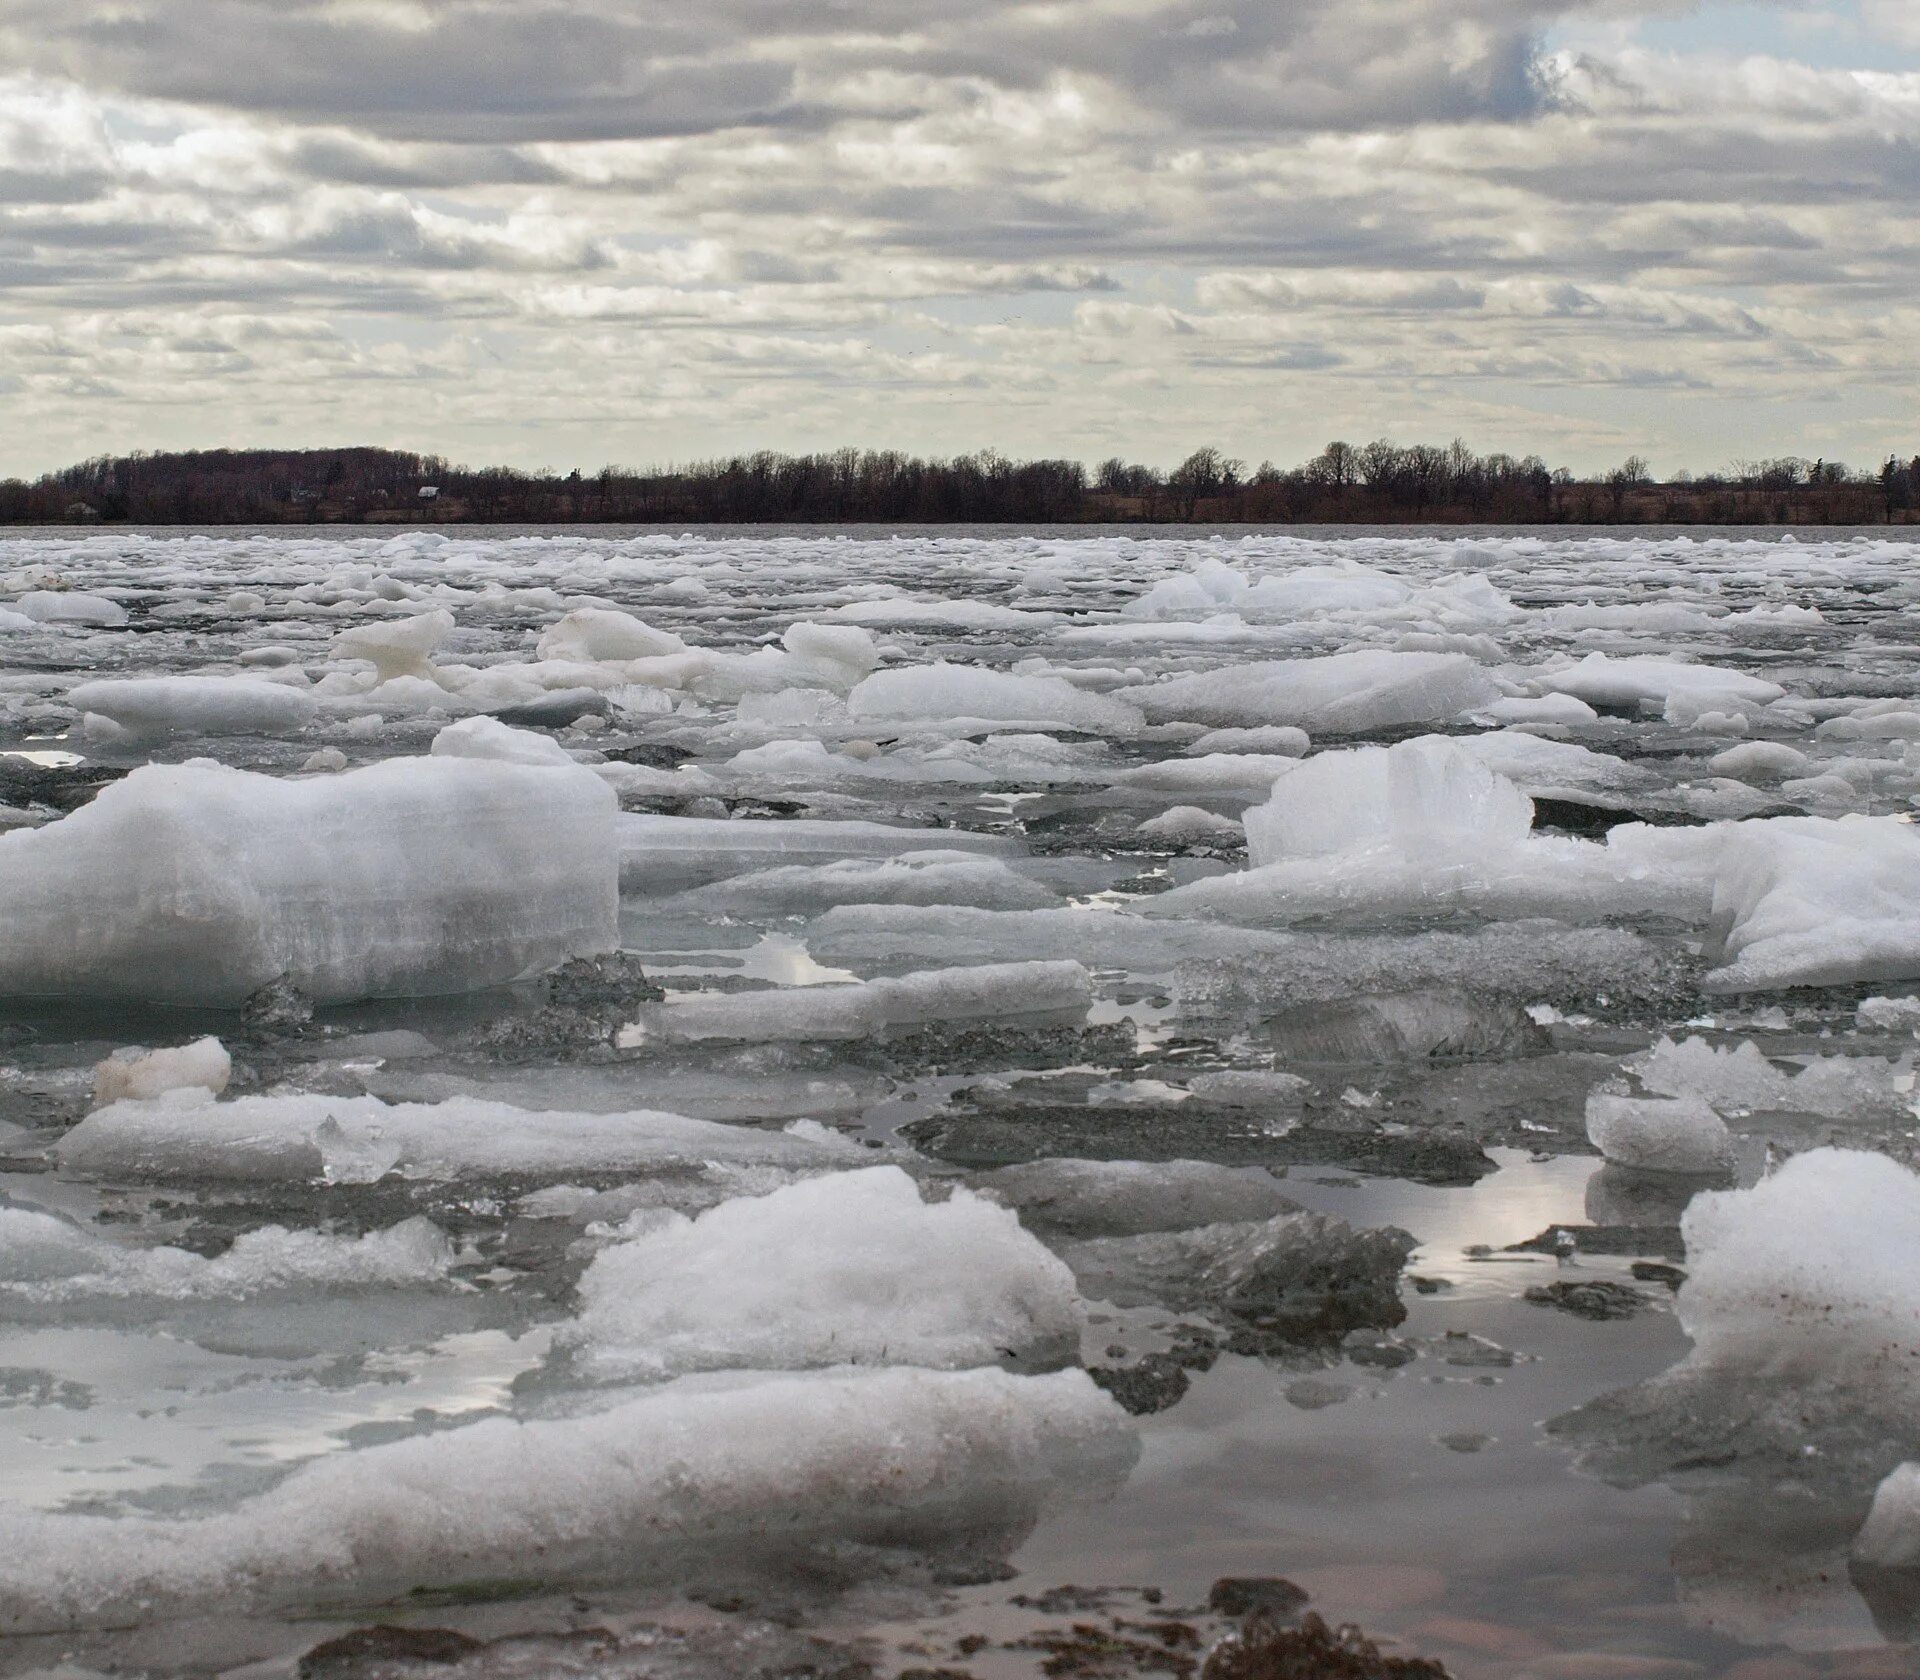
x=1401 y=1473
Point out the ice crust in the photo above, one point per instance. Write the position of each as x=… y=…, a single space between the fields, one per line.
x=1740 y=1077
x=1342 y=694
x=752 y=1470
x=930 y=877
x=194 y=883
x=151 y=708
x=660 y=854
x=945 y=691
x=300 y=1137
x=867 y=1009
x=48 y=1261
x=850 y=1269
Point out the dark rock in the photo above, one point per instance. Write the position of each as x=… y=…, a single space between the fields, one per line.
x=1263 y=1595
x=1605 y=1239
x=611 y=981
x=1592 y=820
x=1265 y=1650
x=63 y=787
x=1655 y=1271
x=655 y=755
x=556 y=710
x=369 y=1647
x=1148 y=1385
x=279 y=1009
x=1593 y=1298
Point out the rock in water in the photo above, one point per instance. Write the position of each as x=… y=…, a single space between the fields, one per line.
x=197 y=884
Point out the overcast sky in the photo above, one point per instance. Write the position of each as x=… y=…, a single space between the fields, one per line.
x=574 y=232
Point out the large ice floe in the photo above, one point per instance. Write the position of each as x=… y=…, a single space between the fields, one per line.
x=691 y=1475
x=198 y=883
x=690 y=1081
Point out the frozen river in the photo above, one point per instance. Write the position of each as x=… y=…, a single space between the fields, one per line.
x=853 y=1103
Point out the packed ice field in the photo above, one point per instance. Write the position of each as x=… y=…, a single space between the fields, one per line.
x=697 y=1105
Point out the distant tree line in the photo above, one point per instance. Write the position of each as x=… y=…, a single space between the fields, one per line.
x=1377 y=483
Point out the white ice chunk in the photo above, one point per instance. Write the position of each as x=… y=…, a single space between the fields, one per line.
x=1810 y=901
x=195 y=883
x=1656 y=1134
x=1519 y=710
x=1889 y=1014
x=596 y=635
x=397 y=647
x=148 y=708
x=1738 y=1076
x=70 y=606
x=1603 y=680
x=1429 y=795
x=841 y=654
x=1280 y=739
x=1816 y=1262
x=1759 y=761
x=849 y=1269
x=489 y=738
x=139 y=1073
x=1890 y=1537
x=1209 y=773
x=1186 y=825
x=1344 y=693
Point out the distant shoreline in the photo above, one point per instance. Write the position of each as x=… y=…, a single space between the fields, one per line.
x=1379 y=484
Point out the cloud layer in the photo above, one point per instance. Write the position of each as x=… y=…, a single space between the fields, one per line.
x=575 y=231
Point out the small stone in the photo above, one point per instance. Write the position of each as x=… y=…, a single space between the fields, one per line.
x=1464 y=1441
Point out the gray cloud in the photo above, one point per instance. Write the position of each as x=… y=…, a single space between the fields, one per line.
x=1079 y=225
